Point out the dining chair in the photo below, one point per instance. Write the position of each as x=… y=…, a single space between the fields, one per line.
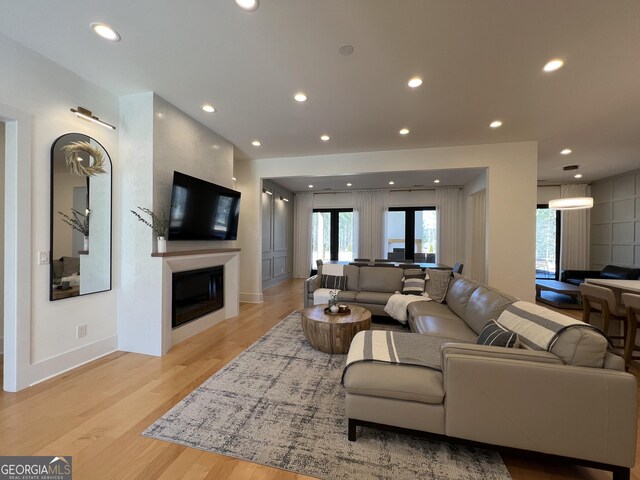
x=602 y=300
x=632 y=304
x=457 y=268
x=319 y=262
x=362 y=260
x=383 y=260
x=359 y=264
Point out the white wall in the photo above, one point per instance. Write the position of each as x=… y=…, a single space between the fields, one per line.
x=547 y=193
x=511 y=199
x=45 y=91
x=2 y=146
x=157 y=138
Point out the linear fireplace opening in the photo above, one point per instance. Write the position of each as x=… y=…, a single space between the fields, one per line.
x=196 y=293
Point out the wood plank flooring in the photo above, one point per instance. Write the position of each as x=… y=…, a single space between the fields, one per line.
x=97 y=412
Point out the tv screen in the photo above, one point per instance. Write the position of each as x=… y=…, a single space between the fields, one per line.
x=201 y=210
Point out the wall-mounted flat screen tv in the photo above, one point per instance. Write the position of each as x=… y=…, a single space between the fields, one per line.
x=201 y=210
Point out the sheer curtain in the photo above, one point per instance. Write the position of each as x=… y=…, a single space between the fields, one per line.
x=370 y=208
x=574 y=249
x=449 y=208
x=303 y=211
x=477 y=215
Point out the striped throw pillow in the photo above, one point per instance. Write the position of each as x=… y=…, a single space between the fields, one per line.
x=334 y=282
x=413 y=282
x=496 y=335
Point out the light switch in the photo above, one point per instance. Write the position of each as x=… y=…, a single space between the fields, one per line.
x=43 y=258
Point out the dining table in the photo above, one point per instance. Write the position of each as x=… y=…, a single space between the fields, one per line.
x=618 y=286
x=422 y=265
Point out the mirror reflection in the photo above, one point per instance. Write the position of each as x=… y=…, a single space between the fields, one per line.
x=80 y=217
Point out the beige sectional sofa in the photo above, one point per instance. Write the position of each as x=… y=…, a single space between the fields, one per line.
x=574 y=401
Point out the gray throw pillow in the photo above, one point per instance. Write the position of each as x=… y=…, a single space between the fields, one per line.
x=437 y=284
x=413 y=282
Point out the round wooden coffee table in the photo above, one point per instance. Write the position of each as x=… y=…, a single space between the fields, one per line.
x=333 y=333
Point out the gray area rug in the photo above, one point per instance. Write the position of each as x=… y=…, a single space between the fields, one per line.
x=280 y=403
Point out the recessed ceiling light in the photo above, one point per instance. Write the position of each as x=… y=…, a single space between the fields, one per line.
x=392 y=182
x=105 y=31
x=234 y=179
x=310 y=186
x=325 y=138
x=495 y=124
x=345 y=49
x=248 y=5
x=404 y=131
x=300 y=97
x=349 y=184
x=415 y=82
x=436 y=181
x=208 y=108
x=553 y=65
x=256 y=143
x=577 y=175
x=566 y=151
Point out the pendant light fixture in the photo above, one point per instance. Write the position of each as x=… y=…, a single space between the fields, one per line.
x=571 y=203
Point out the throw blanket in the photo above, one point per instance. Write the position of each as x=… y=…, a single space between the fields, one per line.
x=321 y=295
x=332 y=269
x=400 y=348
x=397 y=305
x=538 y=327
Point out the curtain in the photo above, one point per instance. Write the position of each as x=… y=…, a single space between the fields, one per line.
x=449 y=209
x=477 y=214
x=575 y=233
x=370 y=208
x=302 y=219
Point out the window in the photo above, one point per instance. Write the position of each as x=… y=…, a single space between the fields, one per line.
x=547 y=242
x=332 y=234
x=412 y=234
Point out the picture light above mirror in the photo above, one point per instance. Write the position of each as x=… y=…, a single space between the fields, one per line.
x=90 y=117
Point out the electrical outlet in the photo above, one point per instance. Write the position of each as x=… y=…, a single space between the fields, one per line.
x=43 y=258
x=81 y=331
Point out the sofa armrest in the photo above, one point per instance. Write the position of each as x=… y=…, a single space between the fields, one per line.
x=520 y=354
x=311 y=284
x=579 y=412
x=578 y=274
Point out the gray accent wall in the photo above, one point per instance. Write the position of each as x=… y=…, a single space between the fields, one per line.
x=615 y=221
x=277 y=234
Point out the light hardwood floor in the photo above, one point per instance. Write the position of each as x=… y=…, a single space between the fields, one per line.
x=97 y=412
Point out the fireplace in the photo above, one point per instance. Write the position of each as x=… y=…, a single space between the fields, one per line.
x=196 y=293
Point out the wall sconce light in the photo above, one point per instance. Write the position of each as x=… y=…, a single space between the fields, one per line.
x=87 y=115
x=284 y=199
x=267 y=191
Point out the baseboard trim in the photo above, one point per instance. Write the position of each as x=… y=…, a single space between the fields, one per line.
x=54 y=366
x=251 y=297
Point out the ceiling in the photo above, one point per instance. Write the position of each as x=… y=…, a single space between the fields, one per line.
x=480 y=61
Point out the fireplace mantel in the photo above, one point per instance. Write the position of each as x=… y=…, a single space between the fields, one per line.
x=204 y=251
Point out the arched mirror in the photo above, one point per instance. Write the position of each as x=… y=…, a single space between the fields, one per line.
x=80 y=217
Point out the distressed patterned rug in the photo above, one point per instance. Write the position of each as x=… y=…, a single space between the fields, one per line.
x=280 y=403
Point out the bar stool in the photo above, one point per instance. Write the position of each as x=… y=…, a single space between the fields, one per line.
x=632 y=303
x=602 y=299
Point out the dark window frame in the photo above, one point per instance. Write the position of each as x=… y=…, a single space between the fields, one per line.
x=410 y=228
x=558 y=236
x=334 y=223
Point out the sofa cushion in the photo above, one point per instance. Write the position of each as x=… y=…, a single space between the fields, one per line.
x=403 y=382
x=437 y=284
x=442 y=327
x=353 y=277
x=496 y=335
x=575 y=342
x=376 y=298
x=334 y=282
x=434 y=309
x=380 y=279
x=347 y=296
x=476 y=303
